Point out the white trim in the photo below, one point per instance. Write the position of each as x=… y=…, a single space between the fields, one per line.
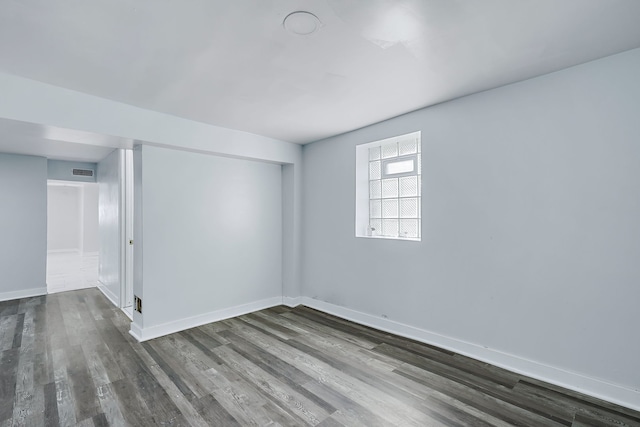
x=400 y=138
x=64 y=251
x=136 y=332
x=292 y=301
x=144 y=334
x=363 y=181
x=404 y=158
x=126 y=296
x=571 y=380
x=128 y=311
x=65 y=288
x=65 y=183
x=122 y=200
x=23 y=293
x=107 y=293
x=80 y=225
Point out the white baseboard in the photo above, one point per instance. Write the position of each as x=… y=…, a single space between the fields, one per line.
x=55 y=290
x=151 y=332
x=110 y=295
x=573 y=381
x=128 y=311
x=23 y=293
x=136 y=332
x=64 y=251
x=292 y=302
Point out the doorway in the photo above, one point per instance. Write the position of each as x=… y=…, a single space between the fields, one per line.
x=115 y=188
x=72 y=235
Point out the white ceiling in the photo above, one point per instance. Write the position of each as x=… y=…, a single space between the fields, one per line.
x=232 y=64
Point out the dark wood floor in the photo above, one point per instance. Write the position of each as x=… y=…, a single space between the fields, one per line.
x=67 y=359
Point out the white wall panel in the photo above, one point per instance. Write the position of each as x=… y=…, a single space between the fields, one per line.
x=212 y=230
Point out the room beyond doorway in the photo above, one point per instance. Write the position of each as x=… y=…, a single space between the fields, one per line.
x=72 y=235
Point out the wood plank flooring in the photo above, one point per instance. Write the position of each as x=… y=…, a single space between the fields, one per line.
x=67 y=359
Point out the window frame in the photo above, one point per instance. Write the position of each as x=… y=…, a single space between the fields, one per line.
x=363 y=220
x=384 y=162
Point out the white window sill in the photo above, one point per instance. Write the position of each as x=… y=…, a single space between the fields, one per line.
x=411 y=239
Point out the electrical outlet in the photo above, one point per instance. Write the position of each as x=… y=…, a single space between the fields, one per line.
x=137 y=304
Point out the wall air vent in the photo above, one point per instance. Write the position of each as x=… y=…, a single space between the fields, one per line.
x=83 y=172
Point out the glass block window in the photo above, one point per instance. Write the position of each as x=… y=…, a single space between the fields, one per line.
x=394 y=189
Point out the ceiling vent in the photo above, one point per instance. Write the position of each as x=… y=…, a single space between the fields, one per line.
x=83 y=172
x=301 y=23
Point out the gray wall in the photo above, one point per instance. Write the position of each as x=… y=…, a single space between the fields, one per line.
x=109 y=220
x=23 y=226
x=63 y=170
x=531 y=231
x=211 y=230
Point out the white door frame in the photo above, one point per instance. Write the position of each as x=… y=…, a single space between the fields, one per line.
x=126 y=231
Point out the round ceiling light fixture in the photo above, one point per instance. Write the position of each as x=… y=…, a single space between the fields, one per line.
x=301 y=23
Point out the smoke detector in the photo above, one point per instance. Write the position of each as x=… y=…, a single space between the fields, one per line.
x=301 y=23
